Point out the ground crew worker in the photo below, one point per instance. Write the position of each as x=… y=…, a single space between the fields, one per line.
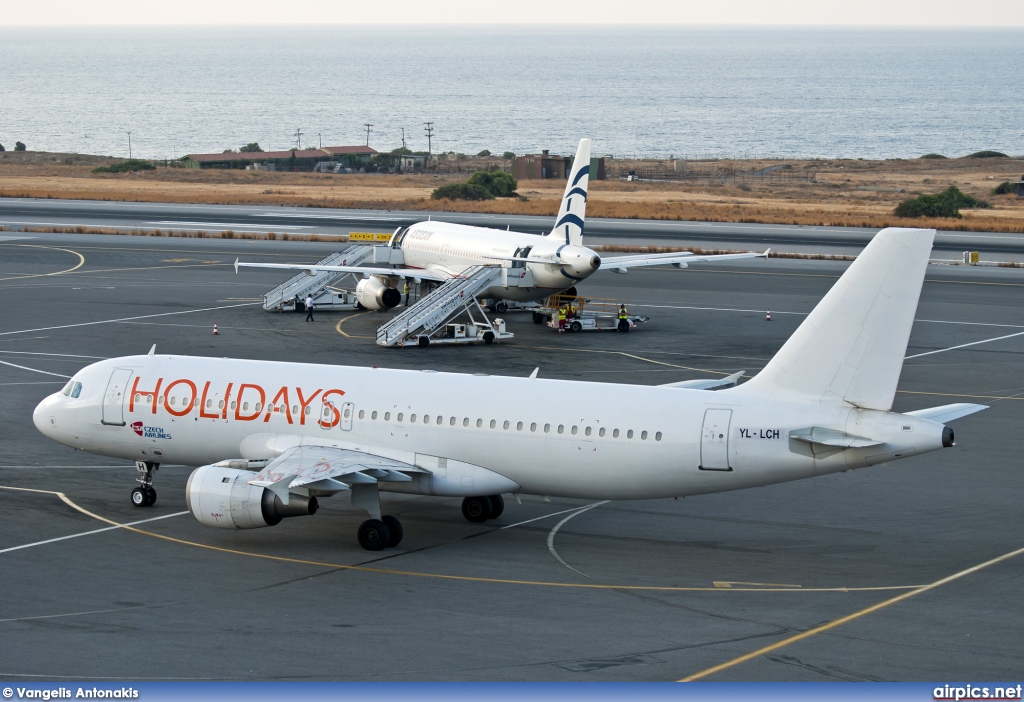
x=561 y=318
x=623 y=318
x=406 y=291
x=309 y=308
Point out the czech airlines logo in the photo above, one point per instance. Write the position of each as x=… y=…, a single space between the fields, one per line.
x=149 y=432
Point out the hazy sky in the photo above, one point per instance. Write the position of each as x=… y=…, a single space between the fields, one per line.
x=950 y=13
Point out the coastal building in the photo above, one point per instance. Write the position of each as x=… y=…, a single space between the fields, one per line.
x=546 y=165
x=293 y=160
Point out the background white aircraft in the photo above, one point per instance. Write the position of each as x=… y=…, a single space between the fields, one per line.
x=437 y=251
x=275 y=437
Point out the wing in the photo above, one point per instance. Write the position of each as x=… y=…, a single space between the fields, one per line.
x=329 y=469
x=728 y=381
x=418 y=273
x=679 y=259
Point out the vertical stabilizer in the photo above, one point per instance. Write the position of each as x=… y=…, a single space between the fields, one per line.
x=851 y=347
x=569 y=225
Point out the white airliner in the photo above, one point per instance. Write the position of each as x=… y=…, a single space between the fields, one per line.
x=438 y=251
x=271 y=438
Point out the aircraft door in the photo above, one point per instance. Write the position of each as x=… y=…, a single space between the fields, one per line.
x=714 y=440
x=113 y=398
x=347 y=410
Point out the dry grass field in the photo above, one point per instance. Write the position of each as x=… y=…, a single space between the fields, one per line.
x=840 y=192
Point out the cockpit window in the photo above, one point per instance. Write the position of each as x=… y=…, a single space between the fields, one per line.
x=68 y=388
x=76 y=390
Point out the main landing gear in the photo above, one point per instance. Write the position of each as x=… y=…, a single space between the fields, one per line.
x=145 y=495
x=378 y=532
x=480 y=509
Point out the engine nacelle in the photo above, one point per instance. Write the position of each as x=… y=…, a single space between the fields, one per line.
x=373 y=294
x=222 y=497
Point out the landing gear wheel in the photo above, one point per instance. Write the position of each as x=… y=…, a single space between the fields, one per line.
x=140 y=498
x=623 y=326
x=150 y=496
x=477 y=509
x=497 y=506
x=488 y=337
x=374 y=535
x=538 y=318
x=576 y=327
x=423 y=341
x=501 y=307
x=394 y=530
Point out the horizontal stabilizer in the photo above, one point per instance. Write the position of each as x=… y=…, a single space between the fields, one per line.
x=831 y=437
x=947 y=413
x=707 y=383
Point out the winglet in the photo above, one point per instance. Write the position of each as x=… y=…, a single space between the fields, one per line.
x=765 y=254
x=535 y=372
x=152 y=350
x=236 y=265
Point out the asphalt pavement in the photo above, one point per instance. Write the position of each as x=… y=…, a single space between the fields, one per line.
x=554 y=589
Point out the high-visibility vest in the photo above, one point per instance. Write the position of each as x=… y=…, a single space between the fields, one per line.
x=406 y=290
x=623 y=314
x=561 y=314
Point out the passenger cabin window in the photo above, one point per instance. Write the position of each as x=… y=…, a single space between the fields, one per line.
x=601 y=431
x=643 y=436
x=587 y=431
x=493 y=424
x=373 y=415
x=615 y=434
x=657 y=436
x=629 y=434
x=362 y=413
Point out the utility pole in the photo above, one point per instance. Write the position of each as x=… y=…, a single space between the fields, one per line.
x=429 y=129
x=321 y=138
x=298 y=138
x=367 y=125
x=129 y=145
x=403 y=137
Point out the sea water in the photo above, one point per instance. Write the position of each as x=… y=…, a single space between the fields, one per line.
x=664 y=92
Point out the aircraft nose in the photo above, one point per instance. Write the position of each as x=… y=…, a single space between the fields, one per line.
x=43 y=416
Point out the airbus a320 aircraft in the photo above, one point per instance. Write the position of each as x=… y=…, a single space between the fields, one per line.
x=438 y=251
x=272 y=438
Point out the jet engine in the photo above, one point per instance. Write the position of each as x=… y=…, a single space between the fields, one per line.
x=373 y=294
x=222 y=497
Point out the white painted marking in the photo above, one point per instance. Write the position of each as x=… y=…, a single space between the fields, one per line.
x=34 y=370
x=87 y=533
x=537 y=519
x=4 y=237
x=229 y=225
x=963 y=346
x=63 y=355
x=38 y=382
x=128 y=319
x=551 y=536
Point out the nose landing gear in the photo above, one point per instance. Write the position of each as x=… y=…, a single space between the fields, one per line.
x=145 y=495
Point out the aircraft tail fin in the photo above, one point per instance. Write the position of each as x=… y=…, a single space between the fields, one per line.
x=571 y=214
x=851 y=346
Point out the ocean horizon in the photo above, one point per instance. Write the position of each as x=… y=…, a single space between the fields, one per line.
x=680 y=92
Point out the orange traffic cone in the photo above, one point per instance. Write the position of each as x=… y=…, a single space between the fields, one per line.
x=215 y=332
x=767 y=317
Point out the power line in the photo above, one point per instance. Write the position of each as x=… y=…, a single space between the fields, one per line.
x=298 y=138
x=367 y=125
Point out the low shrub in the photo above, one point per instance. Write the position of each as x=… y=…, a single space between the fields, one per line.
x=933 y=156
x=497 y=183
x=948 y=203
x=461 y=191
x=987 y=154
x=1003 y=188
x=130 y=166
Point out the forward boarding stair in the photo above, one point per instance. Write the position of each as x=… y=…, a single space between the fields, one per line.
x=304 y=284
x=444 y=303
